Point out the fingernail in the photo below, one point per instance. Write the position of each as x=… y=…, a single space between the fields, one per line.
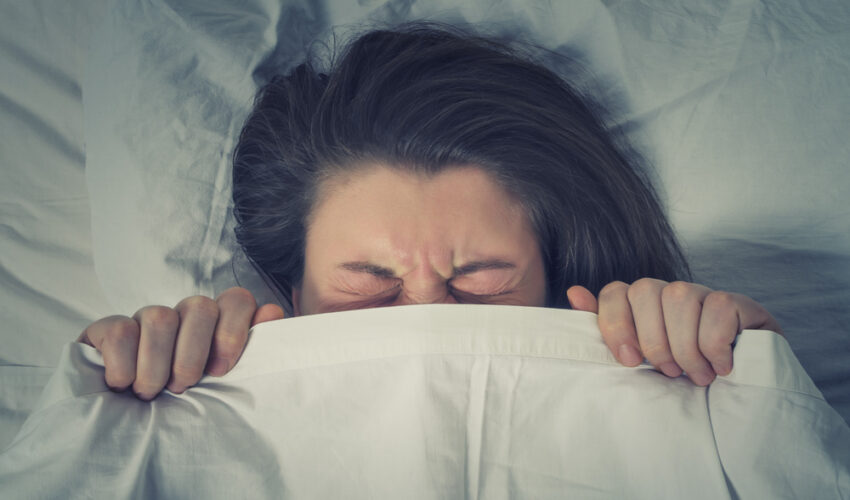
x=629 y=356
x=721 y=368
x=218 y=366
x=144 y=396
x=671 y=369
x=176 y=389
x=701 y=378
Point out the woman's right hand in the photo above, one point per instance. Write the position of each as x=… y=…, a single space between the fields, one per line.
x=163 y=347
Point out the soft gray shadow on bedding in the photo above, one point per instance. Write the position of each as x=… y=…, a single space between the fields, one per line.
x=298 y=25
x=807 y=291
x=44 y=70
x=43 y=129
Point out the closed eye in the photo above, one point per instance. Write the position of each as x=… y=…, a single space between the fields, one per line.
x=365 y=284
x=485 y=283
x=475 y=298
x=370 y=293
x=475 y=282
x=366 y=301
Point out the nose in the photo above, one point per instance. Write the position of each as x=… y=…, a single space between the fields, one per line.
x=438 y=294
x=425 y=284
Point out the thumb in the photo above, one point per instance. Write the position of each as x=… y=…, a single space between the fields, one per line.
x=268 y=312
x=581 y=299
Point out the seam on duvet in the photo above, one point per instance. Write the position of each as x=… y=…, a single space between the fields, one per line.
x=729 y=486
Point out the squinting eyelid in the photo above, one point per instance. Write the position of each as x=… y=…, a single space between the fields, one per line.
x=499 y=283
x=370 y=295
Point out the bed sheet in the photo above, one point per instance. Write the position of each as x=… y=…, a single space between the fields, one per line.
x=437 y=401
x=742 y=107
x=46 y=264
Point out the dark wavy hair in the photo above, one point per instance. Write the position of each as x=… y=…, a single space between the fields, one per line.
x=425 y=98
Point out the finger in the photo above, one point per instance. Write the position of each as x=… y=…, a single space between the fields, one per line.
x=158 y=325
x=645 y=299
x=236 y=309
x=268 y=312
x=617 y=324
x=581 y=299
x=753 y=316
x=198 y=317
x=682 y=306
x=719 y=324
x=724 y=316
x=117 y=339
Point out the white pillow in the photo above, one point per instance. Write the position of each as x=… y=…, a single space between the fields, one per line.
x=166 y=94
x=745 y=144
x=167 y=91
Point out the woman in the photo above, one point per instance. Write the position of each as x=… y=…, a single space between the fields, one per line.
x=428 y=166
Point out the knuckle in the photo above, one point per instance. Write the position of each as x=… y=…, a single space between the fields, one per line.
x=615 y=327
x=717 y=354
x=238 y=297
x=719 y=300
x=228 y=345
x=159 y=318
x=200 y=304
x=677 y=291
x=109 y=321
x=186 y=374
x=613 y=288
x=123 y=330
x=689 y=359
x=714 y=348
x=656 y=353
x=643 y=287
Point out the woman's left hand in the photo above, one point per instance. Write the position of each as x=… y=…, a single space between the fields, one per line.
x=676 y=326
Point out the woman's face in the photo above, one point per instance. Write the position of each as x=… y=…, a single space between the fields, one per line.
x=383 y=237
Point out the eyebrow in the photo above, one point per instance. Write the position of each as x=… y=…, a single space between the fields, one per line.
x=468 y=268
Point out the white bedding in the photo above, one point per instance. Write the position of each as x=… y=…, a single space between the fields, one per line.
x=117 y=119
x=439 y=401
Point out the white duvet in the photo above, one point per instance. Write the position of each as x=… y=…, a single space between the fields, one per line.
x=742 y=107
x=440 y=401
